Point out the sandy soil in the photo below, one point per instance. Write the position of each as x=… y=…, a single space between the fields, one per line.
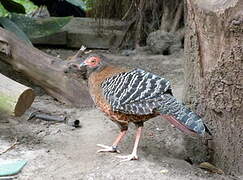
x=58 y=151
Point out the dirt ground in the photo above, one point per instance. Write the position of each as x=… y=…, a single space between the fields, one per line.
x=57 y=151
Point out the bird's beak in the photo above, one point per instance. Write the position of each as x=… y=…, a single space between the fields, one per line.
x=80 y=69
x=83 y=70
x=82 y=65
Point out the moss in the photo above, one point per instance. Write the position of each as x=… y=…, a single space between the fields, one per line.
x=7 y=103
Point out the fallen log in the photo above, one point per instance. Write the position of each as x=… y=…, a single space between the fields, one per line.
x=15 y=98
x=45 y=70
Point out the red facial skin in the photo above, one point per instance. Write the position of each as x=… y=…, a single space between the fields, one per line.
x=92 y=61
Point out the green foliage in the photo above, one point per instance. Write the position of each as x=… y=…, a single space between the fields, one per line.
x=27 y=27
x=36 y=28
x=113 y=9
x=77 y=3
x=13 y=6
x=3 y=11
x=6 y=7
x=28 y=5
x=88 y=4
x=17 y=6
x=11 y=26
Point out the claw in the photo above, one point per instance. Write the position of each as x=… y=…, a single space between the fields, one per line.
x=107 y=149
x=128 y=157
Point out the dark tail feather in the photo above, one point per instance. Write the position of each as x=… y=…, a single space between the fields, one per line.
x=183 y=115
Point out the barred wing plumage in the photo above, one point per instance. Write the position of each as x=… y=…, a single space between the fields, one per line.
x=135 y=92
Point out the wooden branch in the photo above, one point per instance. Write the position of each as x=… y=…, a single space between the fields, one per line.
x=15 y=98
x=177 y=17
x=10 y=147
x=165 y=19
x=4 y=46
x=128 y=11
x=80 y=53
x=139 y=23
x=44 y=70
x=172 y=15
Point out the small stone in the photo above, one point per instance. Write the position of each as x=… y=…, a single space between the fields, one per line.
x=164 y=171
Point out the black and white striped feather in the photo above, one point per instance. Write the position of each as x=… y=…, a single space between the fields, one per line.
x=141 y=93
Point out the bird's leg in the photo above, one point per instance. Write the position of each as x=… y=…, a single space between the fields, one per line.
x=113 y=148
x=134 y=155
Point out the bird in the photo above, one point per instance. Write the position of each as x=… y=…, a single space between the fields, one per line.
x=133 y=95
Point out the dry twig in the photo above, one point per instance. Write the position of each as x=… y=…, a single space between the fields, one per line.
x=10 y=147
x=128 y=11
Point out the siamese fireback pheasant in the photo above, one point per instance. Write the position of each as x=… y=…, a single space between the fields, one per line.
x=133 y=95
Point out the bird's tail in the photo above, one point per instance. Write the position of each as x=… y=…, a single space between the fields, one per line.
x=180 y=116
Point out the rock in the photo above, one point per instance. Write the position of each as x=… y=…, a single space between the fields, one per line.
x=161 y=42
x=128 y=52
x=103 y=34
x=58 y=38
x=143 y=50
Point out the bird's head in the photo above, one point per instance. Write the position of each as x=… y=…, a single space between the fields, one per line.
x=86 y=66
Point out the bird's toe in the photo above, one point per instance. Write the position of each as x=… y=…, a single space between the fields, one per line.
x=107 y=149
x=128 y=157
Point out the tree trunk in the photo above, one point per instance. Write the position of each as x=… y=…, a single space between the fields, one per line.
x=15 y=98
x=44 y=70
x=139 y=24
x=172 y=16
x=213 y=73
x=172 y=19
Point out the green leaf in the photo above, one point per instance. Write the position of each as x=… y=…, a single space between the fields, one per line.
x=77 y=3
x=88 y=4
x=11 y=26
x=39 y=27
x=3 y=11
x=28 y=5
x=13 y=6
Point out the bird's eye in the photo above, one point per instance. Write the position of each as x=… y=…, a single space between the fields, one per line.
x=93 y=61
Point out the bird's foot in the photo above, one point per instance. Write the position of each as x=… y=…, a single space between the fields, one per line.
x=108 y=148
x=128 y=157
